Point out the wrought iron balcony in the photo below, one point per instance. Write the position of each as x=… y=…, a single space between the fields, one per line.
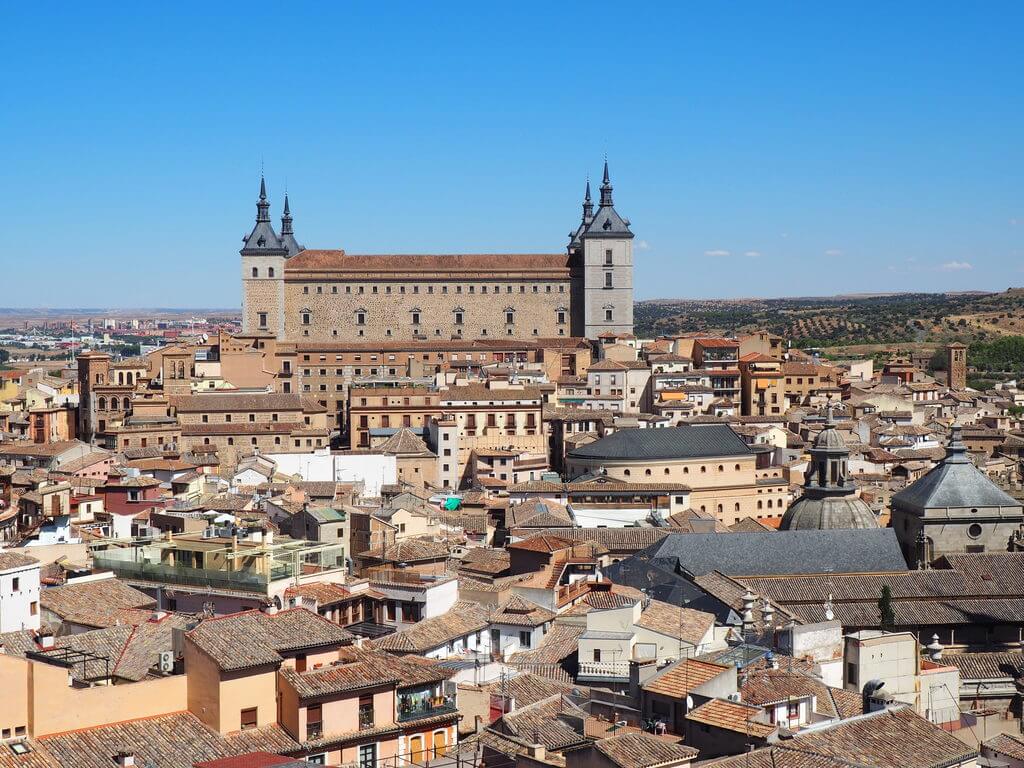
x=409 y=709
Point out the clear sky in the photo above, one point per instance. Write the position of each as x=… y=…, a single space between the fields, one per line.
x=760 y=149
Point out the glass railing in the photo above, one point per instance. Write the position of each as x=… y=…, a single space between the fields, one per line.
x=115 y=560
x=410 y=708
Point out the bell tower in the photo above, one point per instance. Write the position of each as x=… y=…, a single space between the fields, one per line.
x=956 y=366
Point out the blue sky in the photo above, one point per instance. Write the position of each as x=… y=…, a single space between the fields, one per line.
x=759 y=149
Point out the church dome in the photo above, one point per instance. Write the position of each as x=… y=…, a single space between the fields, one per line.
x=829 y=439
x=828 y=513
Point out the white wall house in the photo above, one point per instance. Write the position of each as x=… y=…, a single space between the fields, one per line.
x=19 y=592
x=373 y=470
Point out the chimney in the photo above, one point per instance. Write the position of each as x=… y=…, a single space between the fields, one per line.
x=536 y=751
x=159 y=614
x=124 y=759
x=45 y=639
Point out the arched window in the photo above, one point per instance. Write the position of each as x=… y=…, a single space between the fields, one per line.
x=760 y=504
x=625 y=472
x=737 y=467
x=736 y=507
x=769 y=503
x=120 y=378
x=102 y=404
x=686 y=470
x=666 y=470
x=719 y=509
x=255 y=272
x=270 y=272
x=648 y=472
x=114 y=403
x=703 y=468
x=721 y=468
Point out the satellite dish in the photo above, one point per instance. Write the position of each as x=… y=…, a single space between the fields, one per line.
x=206 y=337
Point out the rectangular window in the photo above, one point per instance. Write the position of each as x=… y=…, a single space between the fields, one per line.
x=415 y=318
x=608 y=257
x=510 y=317
x=561 y=318
x=360 y=318
x=314 y=721
x=263 y=319
x=607 y=279
x=249 y=718
x=458 y=318
x=608 y=315
x=305 y=318
x=597 y=654
x=365 y=712
x=524 y=639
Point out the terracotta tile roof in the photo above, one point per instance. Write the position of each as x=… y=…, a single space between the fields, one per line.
x=359 y=668
x=481 y=393
x=630 y=539
x=10 y=559
x=680 y=678
x=893 y=738
x=252 y=638
x=405 y=442
x=561 y=641
x=555 y=722
x=986 y=665
x=496 y=264
x=272 y=738
x=519 y=611
x=527 y=688
x=1007 y=745
x=642 y=750
x=682 y=623
x=732 y=716
x=167 y=741
x=100 y=603
x=770 y=686
x=542 y=543
x=325 y=593
x=462 y=619
x=251 y=760
x=408 y=551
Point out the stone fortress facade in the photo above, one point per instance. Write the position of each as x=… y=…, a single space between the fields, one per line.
x=306 y=295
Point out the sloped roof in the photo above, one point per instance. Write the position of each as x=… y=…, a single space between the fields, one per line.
x=955 y=482
x=463 y=618
x=405 y=442
x=684 y=442
x=642 y=750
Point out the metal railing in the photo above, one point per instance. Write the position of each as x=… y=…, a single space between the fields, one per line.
x=408 y=709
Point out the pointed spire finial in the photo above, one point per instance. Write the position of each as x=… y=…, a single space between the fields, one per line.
x=606 y=188
x=262 y=205
x=588 y=206
x=286 y=218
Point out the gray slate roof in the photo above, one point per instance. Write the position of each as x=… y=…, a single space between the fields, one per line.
x=661 y=567
x=684 y=442
x=954 y=483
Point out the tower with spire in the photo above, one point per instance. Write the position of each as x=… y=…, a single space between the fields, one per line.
x=287 y=233
x=602 y=251
x=263 y=257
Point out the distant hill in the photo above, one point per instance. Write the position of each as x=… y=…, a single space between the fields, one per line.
x=880 y=318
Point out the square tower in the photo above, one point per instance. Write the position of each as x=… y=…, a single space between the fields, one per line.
x=956 y=366
x=607 y=246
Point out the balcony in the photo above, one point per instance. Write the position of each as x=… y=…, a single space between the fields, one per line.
x=609 y=669
x=365 y=719
x=314 y=731
x=414 y=708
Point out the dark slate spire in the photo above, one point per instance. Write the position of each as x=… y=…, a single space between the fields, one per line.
x=588 y=205
x=287 y=233
x=606 y=188
x=262 y=205
x=263 y=240
x=607 y=222
x=286 y=218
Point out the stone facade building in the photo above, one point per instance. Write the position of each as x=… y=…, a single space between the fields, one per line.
x=317 y=296
x=954 y=509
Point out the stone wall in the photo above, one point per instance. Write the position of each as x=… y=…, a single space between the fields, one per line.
x=389 y=310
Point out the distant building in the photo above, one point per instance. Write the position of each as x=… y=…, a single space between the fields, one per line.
x=299 y=294
x=956 y=366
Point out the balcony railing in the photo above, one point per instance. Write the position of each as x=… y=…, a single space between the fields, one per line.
x=314 y=731
x=365 y=719
x=604 y=668
x=427 y=707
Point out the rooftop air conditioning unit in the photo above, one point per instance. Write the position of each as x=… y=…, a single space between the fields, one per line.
x=734 y=696
x=166 y=661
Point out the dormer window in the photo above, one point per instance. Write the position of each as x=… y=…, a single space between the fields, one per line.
x=261 y=242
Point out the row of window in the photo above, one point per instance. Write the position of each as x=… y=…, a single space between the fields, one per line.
x=686 y=470
x=360 y=289
x=306 y=316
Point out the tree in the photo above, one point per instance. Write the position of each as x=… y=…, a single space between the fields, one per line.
x=887 y=619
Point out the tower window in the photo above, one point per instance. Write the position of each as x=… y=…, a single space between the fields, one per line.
x=360 y=318
x=607 y=279
x=608 y=315
x=608 y=257
x=458 y=318
x=561 y=318
x=270 y=272
x=415 y=318
x=255 y=272
x=263 y=319
x=305 y=318
x=510 y=317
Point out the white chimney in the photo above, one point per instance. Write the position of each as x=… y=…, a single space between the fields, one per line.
x=124 y=759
